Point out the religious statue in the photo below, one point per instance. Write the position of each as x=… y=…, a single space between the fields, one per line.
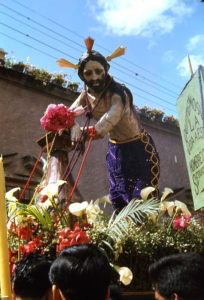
x=132 y=159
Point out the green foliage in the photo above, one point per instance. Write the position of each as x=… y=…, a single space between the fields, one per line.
x=137 y=236
x=41 y=75
x=157 y=114
x=73 y=85
x=140 y=235
x=171 y=120
x=135 y=211
x=41 y=215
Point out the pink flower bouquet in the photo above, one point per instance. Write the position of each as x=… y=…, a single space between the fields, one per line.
x=57 y=117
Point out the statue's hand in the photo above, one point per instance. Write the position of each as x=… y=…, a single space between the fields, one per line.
x=75 y=132
x=93 y=133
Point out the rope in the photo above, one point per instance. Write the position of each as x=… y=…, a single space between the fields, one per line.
x=65 y=175
x=71 y=194
x=29 y=179
x=48 y=157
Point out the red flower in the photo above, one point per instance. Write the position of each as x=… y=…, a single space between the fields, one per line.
x=25 y=232
x=81 y=238
x=38 y=241
x=78 y=236
x=29 y=247
x=32 y=246
x=11 y=253
x=181 y=222
x=64 y=233
x=11 y=227
x=64 y=243
x=86 y=226
x=57 y=117
x=76 y=227
x=68 y=237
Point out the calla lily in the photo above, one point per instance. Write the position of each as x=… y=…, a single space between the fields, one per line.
x=182 y=206
x=9 y=195
x=170 y=205
x=45 y=205
x=167 y=206
x=51 y=190
x=92 y=211
x=104 y=199
x=78 y=209
x=12 y=204
x=146 y=191
x=125 y=273
x=166 y=192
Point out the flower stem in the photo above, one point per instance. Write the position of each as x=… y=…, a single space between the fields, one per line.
x=172 y=219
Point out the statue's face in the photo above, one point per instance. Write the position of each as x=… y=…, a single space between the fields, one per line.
x=94 y=75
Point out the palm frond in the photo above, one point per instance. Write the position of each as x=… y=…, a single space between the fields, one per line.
x=15 y=208
x=135 y=211
x=41 y=215
x=108 y=245
x=111 y=218
x=11 y=209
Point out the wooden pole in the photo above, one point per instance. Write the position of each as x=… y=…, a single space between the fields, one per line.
x=5 y=279
x=56 y=168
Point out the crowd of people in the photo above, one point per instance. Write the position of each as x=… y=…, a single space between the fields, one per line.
x=83 y=272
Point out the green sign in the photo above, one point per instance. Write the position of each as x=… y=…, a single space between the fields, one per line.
x=190 y=113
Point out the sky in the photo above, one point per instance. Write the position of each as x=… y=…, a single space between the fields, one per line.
x=158 y=36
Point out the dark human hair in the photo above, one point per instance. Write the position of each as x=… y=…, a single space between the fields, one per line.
x=81 y=272
x=122 y=91
x=31 y=277
x=115 y=292
x=115 y=87
x=181 y=274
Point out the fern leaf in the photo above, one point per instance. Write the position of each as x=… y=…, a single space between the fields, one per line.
x=135 y=211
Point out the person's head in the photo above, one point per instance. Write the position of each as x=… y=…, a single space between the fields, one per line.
x=93 y=70
x=178 y=276
x=81 y=272
x=115 y=292
x=31 y=278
